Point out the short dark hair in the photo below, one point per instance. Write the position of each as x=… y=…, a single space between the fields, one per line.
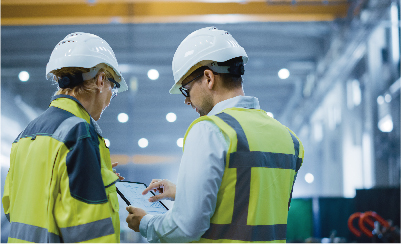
x=230 y=81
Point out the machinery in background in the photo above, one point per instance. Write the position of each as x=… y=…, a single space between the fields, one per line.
x=382 y=230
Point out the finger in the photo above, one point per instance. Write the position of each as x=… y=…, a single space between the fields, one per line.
x=130 y=209
x=114 y=164
x=154 y=181
x=157 y=197
x=152 y=186
x=129 y=221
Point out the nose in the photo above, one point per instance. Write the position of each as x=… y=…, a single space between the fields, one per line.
x=187 y=101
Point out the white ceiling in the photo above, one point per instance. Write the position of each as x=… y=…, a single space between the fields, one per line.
x=140 y=47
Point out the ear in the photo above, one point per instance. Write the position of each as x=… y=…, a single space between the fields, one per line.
x=100 y=80
x=210 y=78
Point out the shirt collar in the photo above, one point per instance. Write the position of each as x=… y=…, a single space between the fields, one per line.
x=92 y=121
x=237 y=102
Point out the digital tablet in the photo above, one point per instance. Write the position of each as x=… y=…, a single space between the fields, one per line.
x=130 y=193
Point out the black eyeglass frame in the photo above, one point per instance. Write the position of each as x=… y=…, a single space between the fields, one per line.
x=114 y=89
x=184 y=90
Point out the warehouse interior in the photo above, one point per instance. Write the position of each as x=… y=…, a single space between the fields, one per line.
x=327 y=69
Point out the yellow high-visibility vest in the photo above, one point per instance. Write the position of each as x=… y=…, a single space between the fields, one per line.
x=60 y=186
x=261 y=165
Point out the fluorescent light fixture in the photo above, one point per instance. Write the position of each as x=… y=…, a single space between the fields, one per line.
x=309 y=178
x=380 y=100
x=23 y=76
x=143 y=142
x=122 y=117
x=367 y=161
x=395 y=41
x=386 y=123
x=153 y=74
x=356 y=92
x=171 y=117
x=270 y=114
x=283 y=74
x=180 y=142
x=107 y=141
x=318 y=131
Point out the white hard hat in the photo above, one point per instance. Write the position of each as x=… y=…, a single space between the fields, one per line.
x=204 y=47
x=85 y=50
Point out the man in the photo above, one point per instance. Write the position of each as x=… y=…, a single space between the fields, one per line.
x=238 y=166
x=60 y=186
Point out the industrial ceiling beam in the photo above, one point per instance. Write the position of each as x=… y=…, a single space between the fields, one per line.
x=58 y=12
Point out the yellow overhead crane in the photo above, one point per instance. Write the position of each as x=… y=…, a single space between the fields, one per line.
x=70 y=12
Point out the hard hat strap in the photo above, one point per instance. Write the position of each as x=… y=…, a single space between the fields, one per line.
x=219 y=69
x=69 y=81
x=234 y=69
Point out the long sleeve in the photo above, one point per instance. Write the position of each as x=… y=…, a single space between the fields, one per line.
x=60 y=170
x=84 y=207
x=199 y=178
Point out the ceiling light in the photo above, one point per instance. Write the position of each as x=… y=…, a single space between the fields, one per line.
x=153 y=74
x=380 y=99
x=270 y=114
x=180 y=142
x=386 y=124
x=283 y=74
x=309 y=178
x=143 y=142
x=122 y=117
x=171 y=117
x=107 y=141
x=23 y=76
x=387 y=98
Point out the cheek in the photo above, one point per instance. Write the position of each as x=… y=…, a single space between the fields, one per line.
x=106 y=100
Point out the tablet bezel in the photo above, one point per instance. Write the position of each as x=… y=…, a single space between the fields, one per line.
x=134 y=182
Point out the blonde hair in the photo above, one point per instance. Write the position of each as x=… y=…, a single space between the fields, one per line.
x=87 y=87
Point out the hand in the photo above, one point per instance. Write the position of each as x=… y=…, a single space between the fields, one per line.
x=118 y=174
x=166 y=189
x=134 y=217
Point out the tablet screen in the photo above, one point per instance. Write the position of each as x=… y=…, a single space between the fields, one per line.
x=132 y=191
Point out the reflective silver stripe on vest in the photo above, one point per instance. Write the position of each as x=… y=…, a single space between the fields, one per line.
x=243 y=160
x=96 y=126
x=88 y=231
x=32 y=233
x=242 y=142
x=62 y=130
x=247 y=232
x=262 y=159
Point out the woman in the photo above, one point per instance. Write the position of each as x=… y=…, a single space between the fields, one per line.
x=60 y=186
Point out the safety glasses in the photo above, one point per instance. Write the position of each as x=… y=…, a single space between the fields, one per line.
x=114 y=87
x=184 y=90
